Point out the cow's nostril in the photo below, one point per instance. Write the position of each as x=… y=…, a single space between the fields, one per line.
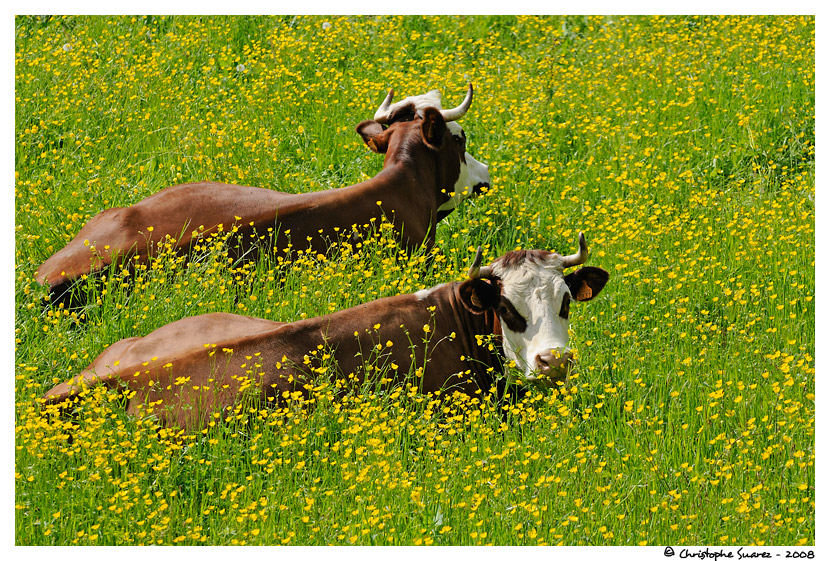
x=554 y=359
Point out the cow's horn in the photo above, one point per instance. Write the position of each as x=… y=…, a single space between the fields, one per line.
x=381 y=115
x=458 y=112
x=477 y=271
x=579 y=257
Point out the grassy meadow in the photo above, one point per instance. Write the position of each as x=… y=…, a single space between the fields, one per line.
x=682 y=146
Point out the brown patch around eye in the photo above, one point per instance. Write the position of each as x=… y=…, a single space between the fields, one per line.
x=565 y=310
x=510 y=317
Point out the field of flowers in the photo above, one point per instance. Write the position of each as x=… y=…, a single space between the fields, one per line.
x=682 y=146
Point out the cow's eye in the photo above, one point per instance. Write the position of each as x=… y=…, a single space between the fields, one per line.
x=565 y=310
x=508 y=314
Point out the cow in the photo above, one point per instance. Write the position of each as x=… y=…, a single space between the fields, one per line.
x=425 y=171
x=455 y=336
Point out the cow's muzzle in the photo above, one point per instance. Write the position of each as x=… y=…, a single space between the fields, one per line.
x=553 y=366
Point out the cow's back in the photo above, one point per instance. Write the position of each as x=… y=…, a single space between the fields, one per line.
x=176 y=211
x=214 y=203
x=170 y=363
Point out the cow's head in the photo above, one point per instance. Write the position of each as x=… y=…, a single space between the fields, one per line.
x=531 y=296
x=418 y=124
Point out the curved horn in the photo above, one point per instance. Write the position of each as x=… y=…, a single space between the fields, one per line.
x=579 y=257
x=477 y=271
x=458 y=112
x=381 y=114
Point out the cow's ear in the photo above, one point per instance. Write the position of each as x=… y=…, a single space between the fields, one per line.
x=479 y=295
x=587 y=282
x=374 y=136
x=434 y=127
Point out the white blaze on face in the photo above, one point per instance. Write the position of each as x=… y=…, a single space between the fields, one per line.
x=536 y=290
x=477 y=174
x=472 y=174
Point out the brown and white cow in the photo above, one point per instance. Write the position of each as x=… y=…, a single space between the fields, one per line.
x=425 y=165
x=474 y=175
x=435 y=338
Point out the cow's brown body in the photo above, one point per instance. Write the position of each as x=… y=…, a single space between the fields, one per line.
x=435 y=339
x=421 y=167
x=273 y=357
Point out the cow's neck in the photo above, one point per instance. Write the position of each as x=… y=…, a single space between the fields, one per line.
x=453 y=331
x=475 y=332
x=415 y=183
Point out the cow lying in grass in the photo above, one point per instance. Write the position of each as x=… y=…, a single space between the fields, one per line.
x=433 y=337
x=425 y=171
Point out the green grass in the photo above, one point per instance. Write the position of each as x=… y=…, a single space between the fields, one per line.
x=682 y=146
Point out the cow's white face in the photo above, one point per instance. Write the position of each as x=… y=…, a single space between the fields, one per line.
x=537 y=340
x=472 y=176
x=531 y=296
